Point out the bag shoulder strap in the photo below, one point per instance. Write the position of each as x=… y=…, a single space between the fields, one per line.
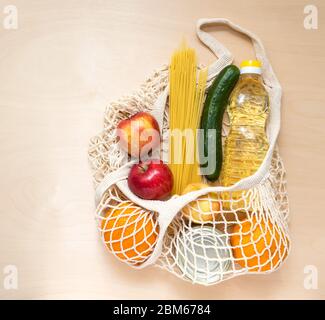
x=270 y=80
x=219 y=50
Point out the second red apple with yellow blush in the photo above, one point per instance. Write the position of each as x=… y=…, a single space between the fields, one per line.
x=139 y=134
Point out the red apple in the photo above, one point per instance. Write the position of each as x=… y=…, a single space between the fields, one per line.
x=139 y=134
x=151 y=180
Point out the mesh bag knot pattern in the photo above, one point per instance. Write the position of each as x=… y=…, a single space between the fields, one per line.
x=204 y=236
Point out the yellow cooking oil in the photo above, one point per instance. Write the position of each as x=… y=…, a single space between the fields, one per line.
x=246 y=144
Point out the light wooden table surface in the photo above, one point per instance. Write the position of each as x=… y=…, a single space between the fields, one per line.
x=59 y=69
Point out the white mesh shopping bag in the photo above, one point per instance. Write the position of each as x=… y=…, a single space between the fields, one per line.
x=207 y=235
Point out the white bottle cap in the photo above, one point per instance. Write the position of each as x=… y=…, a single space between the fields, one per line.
x=255 y=70
x=251 y=66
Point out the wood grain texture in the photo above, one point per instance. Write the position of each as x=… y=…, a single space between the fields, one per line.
x=59 y=69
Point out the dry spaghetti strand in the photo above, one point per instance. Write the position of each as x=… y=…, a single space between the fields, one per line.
x=185 y=106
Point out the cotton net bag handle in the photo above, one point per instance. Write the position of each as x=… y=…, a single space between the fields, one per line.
x=272 y=85
x=168 y=209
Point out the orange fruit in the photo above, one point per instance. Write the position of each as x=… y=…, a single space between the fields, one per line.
x=258 y=245
x=129 y=232
x=205 y=208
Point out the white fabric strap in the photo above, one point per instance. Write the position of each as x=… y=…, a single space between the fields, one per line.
x=111 y=179
x=224 y=55
x=271 y=83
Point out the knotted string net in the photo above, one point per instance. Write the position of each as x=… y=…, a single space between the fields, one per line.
x=211 y=238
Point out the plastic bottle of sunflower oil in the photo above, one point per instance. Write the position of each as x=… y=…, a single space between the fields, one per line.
x=246 y=144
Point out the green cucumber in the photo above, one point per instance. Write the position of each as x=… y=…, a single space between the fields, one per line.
x=212 y=115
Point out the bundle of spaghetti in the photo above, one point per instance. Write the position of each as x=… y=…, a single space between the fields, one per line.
x=185 y=105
